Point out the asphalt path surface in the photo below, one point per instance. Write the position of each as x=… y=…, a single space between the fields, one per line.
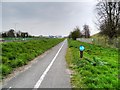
x=49 y=71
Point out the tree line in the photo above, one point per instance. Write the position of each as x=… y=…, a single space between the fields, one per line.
x=76 y=33
x=12 y=33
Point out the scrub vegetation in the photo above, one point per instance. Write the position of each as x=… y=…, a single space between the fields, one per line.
x=16 y=54
x=97 y=69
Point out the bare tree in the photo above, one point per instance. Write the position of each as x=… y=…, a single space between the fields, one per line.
x=109 y=18
x=86 y=31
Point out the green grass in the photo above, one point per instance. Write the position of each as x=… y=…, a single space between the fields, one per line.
x=22 y=39
x=16 y=54
x=97 y=69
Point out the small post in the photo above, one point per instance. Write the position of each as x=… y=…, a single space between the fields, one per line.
x=81 y=54
x=82 y=48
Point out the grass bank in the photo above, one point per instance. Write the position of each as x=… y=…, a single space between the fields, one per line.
x=103 y=40
x=97 y=69
x=16 y=54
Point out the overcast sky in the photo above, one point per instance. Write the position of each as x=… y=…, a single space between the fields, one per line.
x=47 y=18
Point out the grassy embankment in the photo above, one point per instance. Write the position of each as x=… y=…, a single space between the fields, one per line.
x=97 y=69
x=103 y=40
x=16 y=54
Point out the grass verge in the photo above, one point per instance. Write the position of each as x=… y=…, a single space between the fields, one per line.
x=97 y=69
x=16 y=54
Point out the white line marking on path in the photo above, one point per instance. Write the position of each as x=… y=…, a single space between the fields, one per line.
x=37 y=85
x=9 y=88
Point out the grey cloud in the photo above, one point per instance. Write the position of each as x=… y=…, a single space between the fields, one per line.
x=35 y=10
x=46 y=17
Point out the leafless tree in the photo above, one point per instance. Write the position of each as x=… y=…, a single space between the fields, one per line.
x=86 y=31
x=109 y=18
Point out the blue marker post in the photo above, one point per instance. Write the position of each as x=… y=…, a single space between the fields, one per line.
x=81 y=48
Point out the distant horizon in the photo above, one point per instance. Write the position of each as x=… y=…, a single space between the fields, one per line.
x=44 y=35
x=48 y=18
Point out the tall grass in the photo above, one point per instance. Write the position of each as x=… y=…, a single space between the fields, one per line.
x=97 y=69
x=16 y=54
